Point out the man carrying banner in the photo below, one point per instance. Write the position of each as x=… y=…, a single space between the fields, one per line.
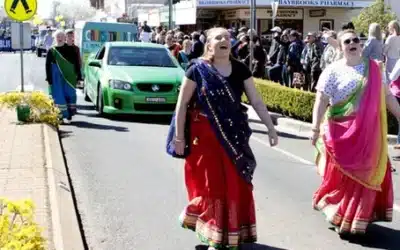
x=62 y=74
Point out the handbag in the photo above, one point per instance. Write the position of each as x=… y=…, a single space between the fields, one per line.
x=298 y=79
x=171 y=138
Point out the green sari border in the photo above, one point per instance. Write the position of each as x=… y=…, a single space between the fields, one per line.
x=58 y=56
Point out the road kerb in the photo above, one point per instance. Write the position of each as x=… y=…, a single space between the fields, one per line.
x=65 y=226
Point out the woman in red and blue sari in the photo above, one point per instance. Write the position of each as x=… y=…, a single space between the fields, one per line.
x=349 y=131
x=62 y=73
x=220 y=165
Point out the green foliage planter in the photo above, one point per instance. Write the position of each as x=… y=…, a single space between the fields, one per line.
x=23 y=113
x=31 y=107
x=297 y=104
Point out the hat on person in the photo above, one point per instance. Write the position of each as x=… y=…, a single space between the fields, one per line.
x=294 y=33
x=69 y=31
x=243 y=30
x=277 y=29
x=312 y=34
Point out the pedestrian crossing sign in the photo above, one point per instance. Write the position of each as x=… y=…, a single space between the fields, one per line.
x=20 y=10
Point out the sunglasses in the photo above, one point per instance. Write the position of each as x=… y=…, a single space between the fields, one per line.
x=354 y=40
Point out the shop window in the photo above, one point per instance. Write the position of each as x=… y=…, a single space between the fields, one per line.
x=288 y=24
x=326 y=24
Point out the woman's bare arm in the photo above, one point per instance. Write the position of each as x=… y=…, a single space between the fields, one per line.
x=333 y=42
x=320 y=107
x=257 y=103
x=187 y=89
x=391 y=103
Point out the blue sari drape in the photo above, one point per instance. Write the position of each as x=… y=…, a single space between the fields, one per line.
x=226 y=116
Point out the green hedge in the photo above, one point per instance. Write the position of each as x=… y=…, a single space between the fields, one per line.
x=295 y=103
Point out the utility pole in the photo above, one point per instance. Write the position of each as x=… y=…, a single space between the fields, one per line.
x=170 y=14
x=252 y=28
x=126 y=7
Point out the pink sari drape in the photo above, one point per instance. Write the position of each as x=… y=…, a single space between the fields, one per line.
x=356 y=139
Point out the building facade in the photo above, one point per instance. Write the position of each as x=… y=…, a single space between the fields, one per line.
x=302 y=15
x=395 y=6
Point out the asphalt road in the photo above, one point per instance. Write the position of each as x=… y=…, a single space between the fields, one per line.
x=130 y=193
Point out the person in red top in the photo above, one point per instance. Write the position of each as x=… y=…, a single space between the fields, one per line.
x=173 y=47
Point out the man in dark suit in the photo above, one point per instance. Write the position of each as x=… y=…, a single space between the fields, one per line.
x=197 y=47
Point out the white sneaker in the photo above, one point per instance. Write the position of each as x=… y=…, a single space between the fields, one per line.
x=66 y=121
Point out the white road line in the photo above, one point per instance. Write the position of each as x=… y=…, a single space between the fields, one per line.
x=297 y=158
x=396 y=207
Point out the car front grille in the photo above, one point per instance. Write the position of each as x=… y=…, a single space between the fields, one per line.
x=148 y=87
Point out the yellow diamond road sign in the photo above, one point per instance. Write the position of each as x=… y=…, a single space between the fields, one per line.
x=20 y=10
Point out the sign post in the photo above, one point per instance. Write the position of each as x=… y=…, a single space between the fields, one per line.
x=170 y=18
x=21 y=52
x=20 y=11
x=274 y=7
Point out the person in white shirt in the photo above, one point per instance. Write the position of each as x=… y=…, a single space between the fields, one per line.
x=392 y=47
x=145 y=34
x=48 y=39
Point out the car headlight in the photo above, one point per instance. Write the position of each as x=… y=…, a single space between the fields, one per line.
x=117 y=84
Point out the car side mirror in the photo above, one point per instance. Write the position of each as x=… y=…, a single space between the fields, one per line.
x=96 y=64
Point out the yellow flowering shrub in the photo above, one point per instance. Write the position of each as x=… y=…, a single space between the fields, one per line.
x=42 y=108
x=18 y=231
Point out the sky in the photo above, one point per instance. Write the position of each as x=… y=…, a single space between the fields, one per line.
x=44 y=8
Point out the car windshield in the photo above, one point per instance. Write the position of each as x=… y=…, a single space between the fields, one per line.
x=140 y=56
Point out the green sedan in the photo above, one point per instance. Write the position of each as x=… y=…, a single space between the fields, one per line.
x=133 y=78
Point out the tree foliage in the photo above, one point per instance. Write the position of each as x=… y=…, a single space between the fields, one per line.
x=76 y=10
x=378 y=12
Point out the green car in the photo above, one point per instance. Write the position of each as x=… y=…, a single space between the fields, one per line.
x=133 y=78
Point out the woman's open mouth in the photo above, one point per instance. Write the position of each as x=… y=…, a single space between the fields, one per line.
x=223 y=47
x=353 y=49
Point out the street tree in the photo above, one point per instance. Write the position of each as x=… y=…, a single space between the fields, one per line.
x=76 y=10
x=378 y=12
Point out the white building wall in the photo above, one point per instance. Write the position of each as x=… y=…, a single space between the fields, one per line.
x=395 y=6
x=339 y=15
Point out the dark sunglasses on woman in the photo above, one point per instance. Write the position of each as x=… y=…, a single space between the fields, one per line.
x=354 y=40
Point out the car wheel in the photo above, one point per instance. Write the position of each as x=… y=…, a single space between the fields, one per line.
x=100 y=101
x=87 y=98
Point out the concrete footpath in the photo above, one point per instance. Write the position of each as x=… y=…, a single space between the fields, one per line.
x=32 y=166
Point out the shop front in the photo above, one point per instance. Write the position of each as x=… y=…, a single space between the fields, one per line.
x=286 y=18
x=301 y=15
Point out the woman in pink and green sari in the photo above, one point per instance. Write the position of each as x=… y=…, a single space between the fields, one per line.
x=349 y=132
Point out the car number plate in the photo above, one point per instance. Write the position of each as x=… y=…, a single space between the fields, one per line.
x=155 y=99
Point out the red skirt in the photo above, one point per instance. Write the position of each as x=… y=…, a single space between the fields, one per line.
x=221 y=206
x=350 y=206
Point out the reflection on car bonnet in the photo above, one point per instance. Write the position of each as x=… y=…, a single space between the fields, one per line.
x=140 y=57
